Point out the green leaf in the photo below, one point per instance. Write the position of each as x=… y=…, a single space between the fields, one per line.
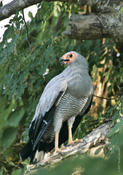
x=1 y=171
x=8 y=137
x=15 y=117
x=5 y=110
x=18 y=172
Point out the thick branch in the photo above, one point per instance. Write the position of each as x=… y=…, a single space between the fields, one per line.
x=95 y=139
x=14 y=6
x=96 y=26
x=17 y=5
x=108 y=21
x=102 y=6
x=84 y=27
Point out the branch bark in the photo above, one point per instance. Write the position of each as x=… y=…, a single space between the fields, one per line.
x=99 y=5
x=96 y=139
x=105 y=21
x=17 y=5
x=95 y=26
x=14 y=6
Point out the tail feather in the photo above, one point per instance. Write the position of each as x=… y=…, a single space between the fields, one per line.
x=38 y=157
x=27 y=151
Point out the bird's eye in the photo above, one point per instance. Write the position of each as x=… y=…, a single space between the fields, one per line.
x=70 y=55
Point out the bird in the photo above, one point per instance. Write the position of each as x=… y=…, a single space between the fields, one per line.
x=65 y=100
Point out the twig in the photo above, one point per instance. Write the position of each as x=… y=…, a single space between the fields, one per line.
x=104 y=98
x=27 y=33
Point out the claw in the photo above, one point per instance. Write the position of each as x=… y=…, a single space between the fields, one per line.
x=56 y=151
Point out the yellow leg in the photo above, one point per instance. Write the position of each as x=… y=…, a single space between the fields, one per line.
x=70 y=139
x=70 y=125
x=56 y=143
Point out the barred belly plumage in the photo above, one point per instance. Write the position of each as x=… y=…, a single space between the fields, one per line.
x=70 y=106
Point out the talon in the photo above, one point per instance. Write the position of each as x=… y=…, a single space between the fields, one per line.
x=70 y=142
x=56 y=151
x=62 y=146
x=78 y=140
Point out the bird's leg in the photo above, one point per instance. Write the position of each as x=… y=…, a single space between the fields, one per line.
x=57 y=124
x=70 y=139
x=70 y=124
x=56 y=142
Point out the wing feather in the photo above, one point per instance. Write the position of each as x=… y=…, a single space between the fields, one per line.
x=50 y=96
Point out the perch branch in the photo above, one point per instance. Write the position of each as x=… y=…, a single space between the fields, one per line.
x=81 y=146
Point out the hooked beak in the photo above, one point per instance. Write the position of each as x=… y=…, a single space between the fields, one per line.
x=63 y=61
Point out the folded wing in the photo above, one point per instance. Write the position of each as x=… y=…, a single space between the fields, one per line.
x=44 y=112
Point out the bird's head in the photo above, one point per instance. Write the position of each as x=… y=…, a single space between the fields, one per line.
x=69 y=57
x=75 y=58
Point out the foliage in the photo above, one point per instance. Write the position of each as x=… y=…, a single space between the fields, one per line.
x=23 y=68
x=91 y=166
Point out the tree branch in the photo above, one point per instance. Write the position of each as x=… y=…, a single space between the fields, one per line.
x=107 y=20
x=103 y=6
x=17 y=5
x=93 y=26
x=14 y=6
x=96 y=139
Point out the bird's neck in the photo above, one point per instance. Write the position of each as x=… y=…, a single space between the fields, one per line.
x=78 y=80
x=76 y=67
